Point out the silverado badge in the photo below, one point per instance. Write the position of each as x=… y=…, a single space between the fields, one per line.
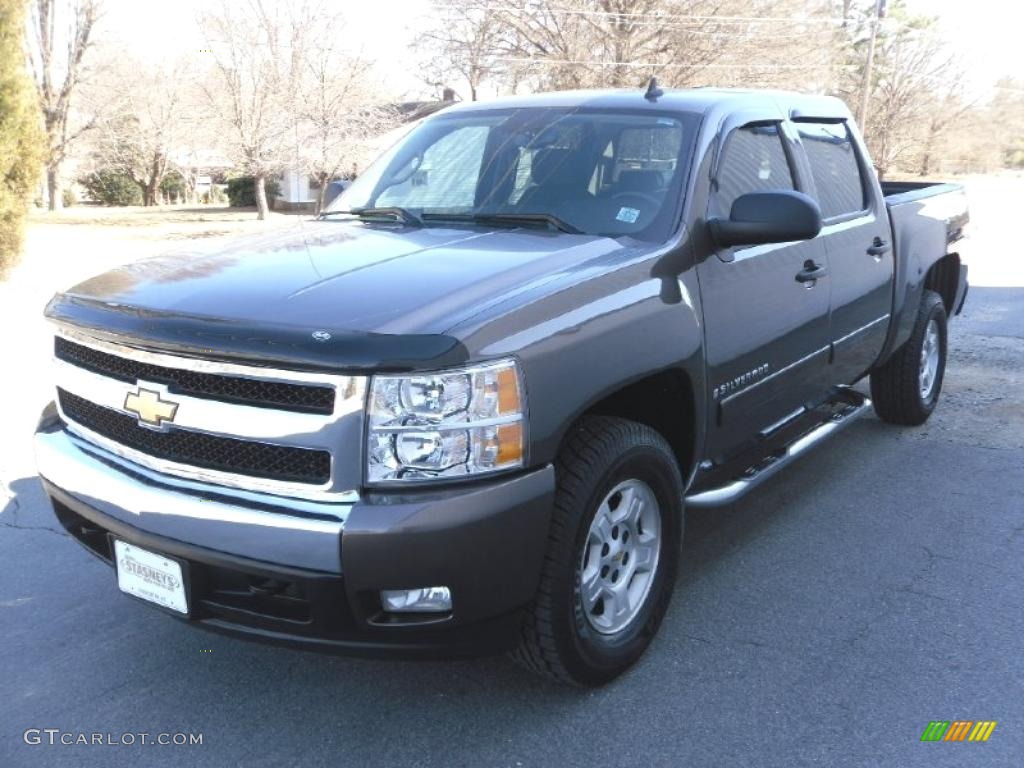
x=740 y=382
x=151 y=409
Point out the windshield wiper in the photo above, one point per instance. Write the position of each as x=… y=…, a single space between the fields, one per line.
x=529 y=218
x=394 y=212
x=506 y=218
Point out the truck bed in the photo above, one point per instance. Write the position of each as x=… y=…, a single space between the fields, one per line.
x=936 y=200
x=926 y=219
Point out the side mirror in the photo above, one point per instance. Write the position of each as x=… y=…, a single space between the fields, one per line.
x=768 y=217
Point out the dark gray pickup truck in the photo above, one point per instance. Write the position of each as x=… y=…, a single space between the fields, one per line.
x=463 y=411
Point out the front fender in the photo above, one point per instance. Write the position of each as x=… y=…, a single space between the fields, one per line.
x=580 y=344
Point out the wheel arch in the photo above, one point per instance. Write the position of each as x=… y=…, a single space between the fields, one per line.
x=666 y=401
x=943 y=277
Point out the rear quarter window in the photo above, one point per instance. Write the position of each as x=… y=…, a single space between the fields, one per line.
x=834 y=166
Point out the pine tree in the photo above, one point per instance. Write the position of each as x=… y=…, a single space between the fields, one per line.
x=21 y=139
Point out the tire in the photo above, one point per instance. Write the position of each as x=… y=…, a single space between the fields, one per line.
x=897 y=386
x=603 y=463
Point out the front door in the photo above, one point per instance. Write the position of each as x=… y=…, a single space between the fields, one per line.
x=767 y=327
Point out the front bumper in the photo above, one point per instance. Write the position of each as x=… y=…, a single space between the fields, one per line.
x=310 y=573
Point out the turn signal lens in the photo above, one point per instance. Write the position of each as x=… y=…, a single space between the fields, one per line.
x=508 y=391
x=510 y=444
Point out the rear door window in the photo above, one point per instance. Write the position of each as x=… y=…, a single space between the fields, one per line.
x=753 y=160
x=644 y=159
x=834 y=167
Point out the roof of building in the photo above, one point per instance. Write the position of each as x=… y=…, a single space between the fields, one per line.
x=416 y=110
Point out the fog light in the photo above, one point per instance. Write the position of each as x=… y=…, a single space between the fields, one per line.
x=422 y=600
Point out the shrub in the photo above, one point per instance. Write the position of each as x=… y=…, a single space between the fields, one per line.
x=242 y=191
x=21 y=139
x=173 y=186
x=67 y=198
x=108 y=186
x=1013 y=156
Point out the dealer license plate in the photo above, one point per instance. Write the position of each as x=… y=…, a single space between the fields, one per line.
x=151 y=576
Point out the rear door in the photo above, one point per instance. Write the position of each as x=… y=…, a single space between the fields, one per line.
x=856 y=238
x=767 y=334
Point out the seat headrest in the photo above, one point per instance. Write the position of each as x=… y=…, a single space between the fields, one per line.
x=557 y=165
x=639 y=181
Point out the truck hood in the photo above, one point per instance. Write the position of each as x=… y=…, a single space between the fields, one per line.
x=374 y=295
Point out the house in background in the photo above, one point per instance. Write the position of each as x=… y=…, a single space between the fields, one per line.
x=295 y=192
x=298 y=191
x=203 y=169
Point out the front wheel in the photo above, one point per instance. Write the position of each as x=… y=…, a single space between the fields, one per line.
x=613 y=552
x=906 y=388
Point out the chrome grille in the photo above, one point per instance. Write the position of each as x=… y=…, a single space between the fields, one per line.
x=304 y=398
x=242 y=426
x=227 y=454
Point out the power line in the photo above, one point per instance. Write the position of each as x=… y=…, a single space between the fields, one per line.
x=654 y=16
x=767 y=36
x=695 y=31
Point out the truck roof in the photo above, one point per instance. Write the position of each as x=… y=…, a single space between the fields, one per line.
x=699 y=100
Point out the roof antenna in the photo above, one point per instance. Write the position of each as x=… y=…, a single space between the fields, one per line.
x=653 y=91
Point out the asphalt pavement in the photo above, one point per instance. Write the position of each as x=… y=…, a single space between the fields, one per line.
x=873 y=587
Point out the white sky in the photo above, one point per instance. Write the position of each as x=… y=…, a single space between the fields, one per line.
x=987 y=33
x=168 y=28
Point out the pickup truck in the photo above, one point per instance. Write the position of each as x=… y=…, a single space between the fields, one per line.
x=463 y=411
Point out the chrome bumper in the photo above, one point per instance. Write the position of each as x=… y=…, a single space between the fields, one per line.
x=294 y=532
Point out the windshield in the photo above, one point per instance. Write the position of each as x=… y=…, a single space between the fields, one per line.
x=599 y=172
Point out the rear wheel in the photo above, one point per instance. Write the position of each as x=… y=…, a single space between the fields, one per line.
x=906 y=388
x=613 y=551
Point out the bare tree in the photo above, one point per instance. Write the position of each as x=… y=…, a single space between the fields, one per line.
x=945 y=107
x=911 y=64
x=146 y=121
x=590 y=43
x=60 y=32
x=915 y=90
x=259 y=51
x=1005 y=118
x=558 y=44
x=340 y=113
x=464 y=44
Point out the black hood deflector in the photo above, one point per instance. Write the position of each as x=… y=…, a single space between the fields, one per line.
x=232 y=340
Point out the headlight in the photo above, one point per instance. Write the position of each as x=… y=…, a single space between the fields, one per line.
x=466 y=421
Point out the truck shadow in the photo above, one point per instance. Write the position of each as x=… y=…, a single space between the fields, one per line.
x=26 y=508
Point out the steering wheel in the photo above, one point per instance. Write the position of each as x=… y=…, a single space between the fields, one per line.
x=640 y=196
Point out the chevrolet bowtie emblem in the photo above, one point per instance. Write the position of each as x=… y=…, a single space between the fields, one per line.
x=149 y=407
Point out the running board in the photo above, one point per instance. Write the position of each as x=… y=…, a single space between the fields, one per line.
x=754 y=476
